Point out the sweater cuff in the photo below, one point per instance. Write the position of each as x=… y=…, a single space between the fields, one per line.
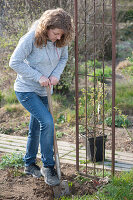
x=38 y=76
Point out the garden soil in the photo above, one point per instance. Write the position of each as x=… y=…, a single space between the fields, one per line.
x=17 y=186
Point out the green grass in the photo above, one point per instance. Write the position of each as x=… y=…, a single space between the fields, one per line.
x=11 y=107
x=99 y=74
x=124 y=95
x=1 y=96
x=10 y=97
x=98 y=70
x=106 y=173
x=16 y=107
x=64 y=100
x=128 y=71
x=119 y=188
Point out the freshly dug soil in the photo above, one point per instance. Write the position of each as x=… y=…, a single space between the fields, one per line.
x=17 y=186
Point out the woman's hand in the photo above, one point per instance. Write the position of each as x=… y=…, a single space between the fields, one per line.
x=44 y=81
x=53 y=80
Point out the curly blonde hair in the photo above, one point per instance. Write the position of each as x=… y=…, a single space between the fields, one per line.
x=51 y=19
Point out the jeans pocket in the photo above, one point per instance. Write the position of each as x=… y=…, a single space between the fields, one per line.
x=23 y=96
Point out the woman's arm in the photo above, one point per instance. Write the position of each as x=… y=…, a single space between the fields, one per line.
x=21 y=52
x=61 y=64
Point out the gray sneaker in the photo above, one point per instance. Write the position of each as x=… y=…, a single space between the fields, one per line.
x=33 y=170
x=50 y=176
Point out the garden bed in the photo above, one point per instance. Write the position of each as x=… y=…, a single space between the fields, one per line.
x=15 y=185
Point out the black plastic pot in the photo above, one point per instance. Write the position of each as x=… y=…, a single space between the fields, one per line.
x=99 y=148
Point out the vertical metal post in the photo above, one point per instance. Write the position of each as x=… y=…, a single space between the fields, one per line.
x=86 y=88
x=103 y=27
x=113 y=81
x=76 y=83
x=94 y=58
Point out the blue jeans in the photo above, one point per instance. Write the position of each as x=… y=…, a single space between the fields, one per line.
x=41 y=128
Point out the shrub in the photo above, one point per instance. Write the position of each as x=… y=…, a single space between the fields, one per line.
x=59 y=134
x=61 y=119
x=98 y=64
x=126 y=66
x=66 y=79
x=128 y=71
x=90 y=104
x=12 y=160
x=67 y=76
x=124 y=49
x=123 y=64
x=126 y=33
x=125 y=16
x=120 y=121
x=131 y=58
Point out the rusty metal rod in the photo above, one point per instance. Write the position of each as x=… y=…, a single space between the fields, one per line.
x=76 y=82
x=86 y=88
x=94 y=58
x=103 y=48
x=113 y=82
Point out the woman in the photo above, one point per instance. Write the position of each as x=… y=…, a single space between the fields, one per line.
x=39 y=60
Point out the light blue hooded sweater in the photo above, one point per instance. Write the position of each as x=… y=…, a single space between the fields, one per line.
x=31 y=63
